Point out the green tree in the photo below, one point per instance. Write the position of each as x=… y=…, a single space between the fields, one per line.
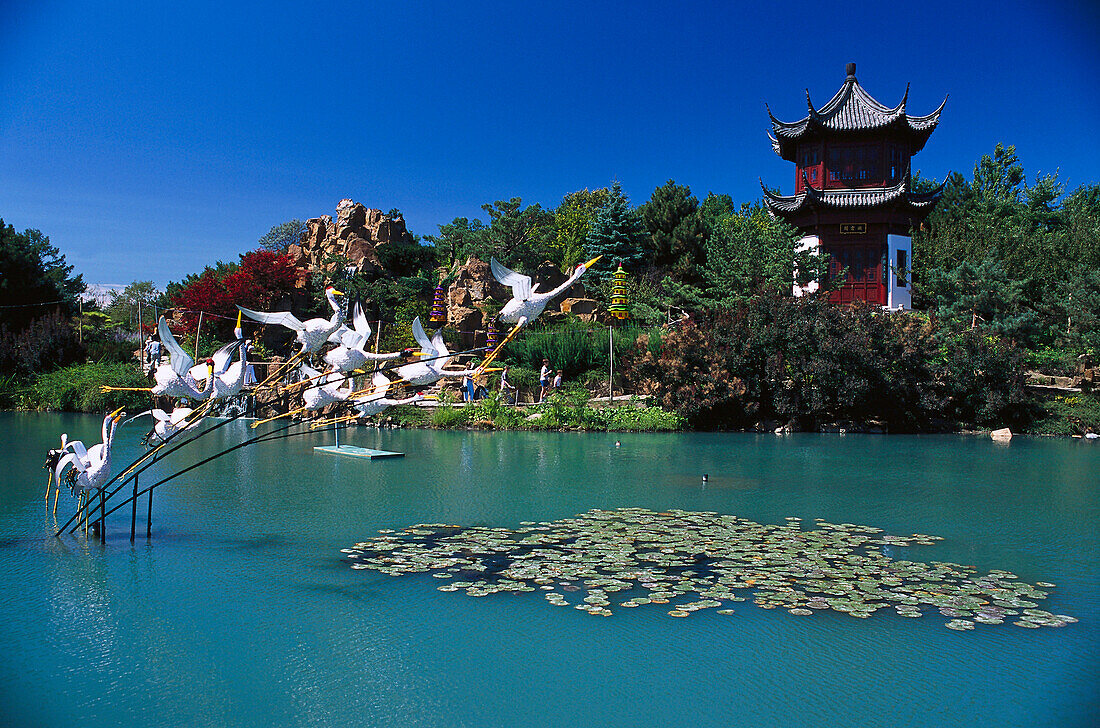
x=282 y=236
x=33 y=272
x=573 y=218
x=676 y=233
x=517 y=235
x=750 y=251
x=981 y=296
x=124 y=305
x=459 y=239
x=617 y=234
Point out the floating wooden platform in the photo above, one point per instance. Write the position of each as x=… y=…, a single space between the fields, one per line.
x=358 y=452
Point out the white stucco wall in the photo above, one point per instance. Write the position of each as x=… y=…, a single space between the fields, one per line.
x=900 y=296
x=811 y=243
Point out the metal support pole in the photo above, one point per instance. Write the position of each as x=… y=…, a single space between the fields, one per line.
x=611 y=372
x=133 y=510
x=102 y=516
x=149 y=518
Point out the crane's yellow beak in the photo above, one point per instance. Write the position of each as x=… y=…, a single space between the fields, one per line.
x=592 y=262
x=238 y=319
x=115 y=415
x=338 y=293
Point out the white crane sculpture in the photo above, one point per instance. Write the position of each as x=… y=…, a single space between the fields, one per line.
x=376 y=401
x=177 y=378
x=429 y=371
x=312 y=334
x=352 y=352
x=229 y=375
x=168 y=424
x=91 y=466
x=526 y=304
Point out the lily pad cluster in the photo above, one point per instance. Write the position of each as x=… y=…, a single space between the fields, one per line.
x=690 y=561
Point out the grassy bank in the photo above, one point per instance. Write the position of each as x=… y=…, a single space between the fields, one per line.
x=563 y=411
x=76 y=389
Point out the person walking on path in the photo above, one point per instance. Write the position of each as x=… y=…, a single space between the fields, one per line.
x=544 y=379
x=152 y=353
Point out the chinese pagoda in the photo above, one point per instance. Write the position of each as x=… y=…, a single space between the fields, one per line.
x=853 y=191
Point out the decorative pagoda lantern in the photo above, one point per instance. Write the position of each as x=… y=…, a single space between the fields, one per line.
x=618 y=307
x=491 y=334
x=853 y=193
x=439 y=309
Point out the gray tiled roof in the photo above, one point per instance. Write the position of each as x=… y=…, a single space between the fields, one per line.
x=866 y=197
x=852 y=109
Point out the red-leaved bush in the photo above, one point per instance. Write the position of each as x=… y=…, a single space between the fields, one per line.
x=261 y=279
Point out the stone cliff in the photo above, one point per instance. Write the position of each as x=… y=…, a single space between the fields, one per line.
x=351 y=240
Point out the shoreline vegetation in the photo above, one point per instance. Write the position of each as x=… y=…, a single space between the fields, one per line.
x=1005 y=330
x=1052 y=412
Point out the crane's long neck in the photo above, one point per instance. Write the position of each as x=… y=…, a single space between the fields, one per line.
x=107 y=430
x=338 y=313
x=569 y=281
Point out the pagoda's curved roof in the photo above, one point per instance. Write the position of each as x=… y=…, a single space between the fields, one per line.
x=852 y=109
x=865 y=197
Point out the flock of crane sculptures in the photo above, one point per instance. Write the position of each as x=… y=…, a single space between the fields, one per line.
x=87 y=471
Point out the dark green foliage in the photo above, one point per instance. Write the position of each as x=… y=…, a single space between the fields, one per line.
x=574 y=348
x=34 y=278
x=618 y=235
x=805 y=361
x=676 y=233
x=749 y=251
x=983 y=381
x=980 y=296
x=1060 y=414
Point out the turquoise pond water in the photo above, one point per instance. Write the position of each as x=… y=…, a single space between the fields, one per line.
x=241 y=610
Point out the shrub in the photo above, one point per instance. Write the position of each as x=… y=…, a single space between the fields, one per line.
x=47 y=341
x=77 y=388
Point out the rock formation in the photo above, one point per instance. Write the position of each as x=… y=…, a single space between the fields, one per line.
x=351 y=240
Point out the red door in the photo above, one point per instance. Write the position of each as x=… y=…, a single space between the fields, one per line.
x=864 y=262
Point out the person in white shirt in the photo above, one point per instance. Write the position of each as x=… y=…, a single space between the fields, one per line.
x=544 y=378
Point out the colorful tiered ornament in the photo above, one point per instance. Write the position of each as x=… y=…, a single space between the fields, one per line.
x=618 y=307
x=439 y=311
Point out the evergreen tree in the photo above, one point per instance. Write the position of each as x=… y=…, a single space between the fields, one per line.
x=618 y=235
x=981 y=296
x=676 y=232
x=32 y=271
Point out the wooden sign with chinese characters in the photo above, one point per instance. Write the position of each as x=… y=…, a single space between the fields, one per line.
x=852 y=228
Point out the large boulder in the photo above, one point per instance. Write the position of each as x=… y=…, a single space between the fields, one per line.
x=583 y=308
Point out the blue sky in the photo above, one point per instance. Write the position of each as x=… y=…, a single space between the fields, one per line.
x=149 y=139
